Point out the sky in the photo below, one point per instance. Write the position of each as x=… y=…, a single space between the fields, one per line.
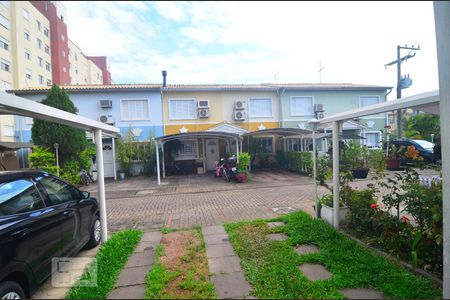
x=258 y=42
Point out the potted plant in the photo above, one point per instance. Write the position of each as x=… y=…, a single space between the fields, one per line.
x=357 y=158
x=393 y=159
x=243 y=167
x=326 y=209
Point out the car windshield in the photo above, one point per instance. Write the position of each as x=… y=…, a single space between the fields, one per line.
x=425 y=144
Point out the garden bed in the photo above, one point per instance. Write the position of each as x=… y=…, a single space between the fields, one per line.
x=181 y=268
x=110 y=260
x=272 y=267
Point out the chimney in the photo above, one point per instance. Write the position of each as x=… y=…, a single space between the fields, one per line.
x=164 y=74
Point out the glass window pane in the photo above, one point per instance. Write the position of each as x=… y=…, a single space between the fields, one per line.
x=260 y=108
x=19 y=196
x=369 y=100
x=58 y=191
x=302 y=106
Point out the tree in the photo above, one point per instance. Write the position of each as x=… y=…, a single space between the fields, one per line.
x=71 y=141
x=421 y=126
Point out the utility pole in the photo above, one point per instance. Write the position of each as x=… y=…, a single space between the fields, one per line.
x=402 y=82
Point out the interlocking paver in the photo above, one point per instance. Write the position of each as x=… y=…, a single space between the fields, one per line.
x=362 y=293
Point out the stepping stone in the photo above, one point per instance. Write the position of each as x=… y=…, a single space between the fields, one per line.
x=315 y=272
x=231 y=285
x=275 y=224
x=129 y=292
x=362 y=293
x=146 y=246
x=151 y=236
x=213 y=230
x=220 y=250
x=227 y=264
x=307 y=249
x=133 y=276
x=277 y=237
x=216 y=239
x=141 y=259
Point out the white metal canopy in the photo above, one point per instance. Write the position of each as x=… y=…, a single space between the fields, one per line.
x=14 y=105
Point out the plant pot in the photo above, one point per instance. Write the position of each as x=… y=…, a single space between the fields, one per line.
x=122 y=176
x=241 y=177
x=392 y=164
x=360 y=173
x=326 y=213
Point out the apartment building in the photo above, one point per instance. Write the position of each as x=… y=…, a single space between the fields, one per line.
x=81 y=69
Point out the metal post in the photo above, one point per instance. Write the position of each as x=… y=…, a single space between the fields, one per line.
x=314 y=123
x=101 y=183
x=163 y=161
x=399 y=93
x=442 y=23
x=57 y=158
x=204 y=155
x=158 y=175
x=237 y=150
x=113 y=141
x=336 y=174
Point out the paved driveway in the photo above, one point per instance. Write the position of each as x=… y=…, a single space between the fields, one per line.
x=187 y=201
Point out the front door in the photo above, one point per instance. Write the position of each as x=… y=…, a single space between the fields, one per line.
x=212 y=154
x=108 y=160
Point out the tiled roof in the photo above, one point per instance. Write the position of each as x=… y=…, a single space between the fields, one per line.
x=194 y=87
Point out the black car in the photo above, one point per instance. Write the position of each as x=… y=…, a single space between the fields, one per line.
x=425 y=148
x=41 y=217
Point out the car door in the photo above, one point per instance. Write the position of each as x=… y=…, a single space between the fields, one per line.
x=29 y=231
x=64 y=199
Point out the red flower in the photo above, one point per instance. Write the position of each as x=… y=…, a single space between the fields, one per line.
x=405 y=219
x=374 y=206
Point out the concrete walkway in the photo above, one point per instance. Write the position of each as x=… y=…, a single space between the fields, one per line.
x=132 y=281
x=228 y=278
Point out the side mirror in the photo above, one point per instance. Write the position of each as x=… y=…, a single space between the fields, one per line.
x=85 y=195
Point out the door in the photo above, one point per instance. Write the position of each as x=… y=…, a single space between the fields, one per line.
x=108 y=158
x=30 y=232
x=212 y=154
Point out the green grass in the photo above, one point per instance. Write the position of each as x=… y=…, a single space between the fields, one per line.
x=271 y=267
x=188 y=279
x=111 y=259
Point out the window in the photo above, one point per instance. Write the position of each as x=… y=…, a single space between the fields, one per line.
x=62 y=37
x=28 y=74
x=26 y=15
x=64 y=69
x=302 y=106
x=188 y=150
x=4 y=44
x=58 y=191
x=46 y=32
x=4 y=65
x=47 y=66
x=38 y=25
x=372 y=139
x=26 y=35
x=368 y=100
x=39 y=43
x=63 y=53
x=264 y=144
x=27 y=54
x=260 y=108
x=5 y=3
x=134 y=110
x=41 y=79
x=293 y=144
x=19 y=196
x=49 y=82
x=47 y=49
x=183 y=109
x=4 y=21
x=6 y=86
x=8 y=130
x=40 y=62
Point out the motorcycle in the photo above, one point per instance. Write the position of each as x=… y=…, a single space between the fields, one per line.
x=226 y=168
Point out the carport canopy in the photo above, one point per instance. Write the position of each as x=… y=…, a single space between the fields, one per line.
x=14 y=105
x=189 y=135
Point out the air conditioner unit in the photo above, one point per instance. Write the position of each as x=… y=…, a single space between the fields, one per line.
x=203 y=113
x=203 y=103
x=318 y=108
x=105 y=103
x=239 y=115
x=320 y=115
x=107 y=119
x=239 y=104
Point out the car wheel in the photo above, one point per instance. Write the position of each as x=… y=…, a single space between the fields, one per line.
x=11 y=290
x=96 y=234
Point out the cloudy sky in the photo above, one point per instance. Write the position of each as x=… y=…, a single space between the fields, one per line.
x=253 y=42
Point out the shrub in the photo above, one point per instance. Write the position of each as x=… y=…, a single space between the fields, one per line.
x=377 y=160
x=43 y=159
x=244 y=162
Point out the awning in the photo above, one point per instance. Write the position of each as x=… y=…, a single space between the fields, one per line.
x=279 y=131
x=4 y=146
x=197 y=134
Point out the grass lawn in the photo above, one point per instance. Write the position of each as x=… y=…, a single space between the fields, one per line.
x=111 y=259
x=271 y=267
x=181 y=268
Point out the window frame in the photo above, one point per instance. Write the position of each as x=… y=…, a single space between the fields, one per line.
x=31 y=74
x=5 y=21
x=267 y=137
x=6 y=63
x=300 y=115
x=27 y=54
x=250 y=115
x=4 y=43
x=171 y=117
x=367 y=96
x=26 y=14
x=184 y=156
x=372 y=132
x=122 y=118
x=46 y=31
x=26 y=35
